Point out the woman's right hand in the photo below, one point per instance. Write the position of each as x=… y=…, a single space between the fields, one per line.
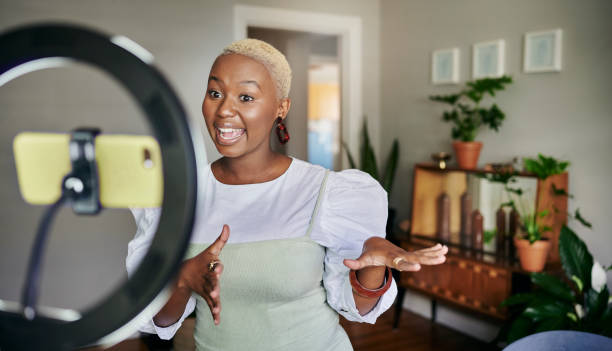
x=196 y=276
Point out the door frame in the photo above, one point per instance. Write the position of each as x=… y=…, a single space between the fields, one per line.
x=347 y=28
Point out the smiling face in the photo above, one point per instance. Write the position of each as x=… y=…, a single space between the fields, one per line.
x=241 y=105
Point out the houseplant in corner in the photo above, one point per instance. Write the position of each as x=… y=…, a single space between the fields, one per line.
x=467 y=116
x=579 y=302
x=369 y=165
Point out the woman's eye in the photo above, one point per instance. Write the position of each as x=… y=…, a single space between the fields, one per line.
x=246 y=98
x=214 y=94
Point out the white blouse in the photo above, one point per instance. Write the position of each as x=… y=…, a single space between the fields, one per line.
x=353 y=208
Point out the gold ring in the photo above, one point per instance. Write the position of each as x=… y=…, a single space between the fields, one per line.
x=212 y=265
x=396 y=261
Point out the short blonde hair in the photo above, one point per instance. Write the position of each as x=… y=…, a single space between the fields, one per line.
x=266 y=54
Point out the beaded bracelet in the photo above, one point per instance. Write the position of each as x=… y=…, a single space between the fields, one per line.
x=370 y=293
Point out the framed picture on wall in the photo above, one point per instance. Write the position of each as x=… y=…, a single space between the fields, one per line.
x=445 y=66
x=488 y=59
x=542 y=51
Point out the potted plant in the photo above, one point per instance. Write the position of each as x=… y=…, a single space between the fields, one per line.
x=467 y=116
x=581 y=301
x=531 y=246
x=369 y=165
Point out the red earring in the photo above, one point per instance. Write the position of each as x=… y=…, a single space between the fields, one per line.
x=281 y=131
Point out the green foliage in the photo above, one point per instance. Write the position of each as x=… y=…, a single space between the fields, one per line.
x=466 y=115
x=391 y=166
x=581 y=219
x=488 y=235
x=499 y=177
x=575 y=257
x=544 y=166
x=561 y=192
x=532 y=228
x=558 y=304
x=553 y=285
x=367 y=159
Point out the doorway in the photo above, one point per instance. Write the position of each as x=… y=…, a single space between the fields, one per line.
x=345 y=31
x=314 y=119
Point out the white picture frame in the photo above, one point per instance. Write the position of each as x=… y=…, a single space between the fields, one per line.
x=542 y=51
x=488 y=59
x=445 y=66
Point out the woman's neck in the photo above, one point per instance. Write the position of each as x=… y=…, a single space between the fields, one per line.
x=250 y=168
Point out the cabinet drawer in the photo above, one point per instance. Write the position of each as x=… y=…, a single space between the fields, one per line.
x=472 y=285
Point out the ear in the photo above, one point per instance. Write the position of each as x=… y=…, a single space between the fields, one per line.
x=283 y=107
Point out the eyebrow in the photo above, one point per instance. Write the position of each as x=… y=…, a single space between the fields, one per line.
x=251 y=82
x=216 y=79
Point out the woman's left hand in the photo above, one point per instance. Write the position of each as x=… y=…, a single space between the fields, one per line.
x=380 y=252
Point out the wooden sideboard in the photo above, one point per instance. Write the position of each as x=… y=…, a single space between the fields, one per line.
x=472 y=280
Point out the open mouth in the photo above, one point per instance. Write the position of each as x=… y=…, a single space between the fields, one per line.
x=229 y=136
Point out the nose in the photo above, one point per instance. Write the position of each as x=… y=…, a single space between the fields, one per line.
x=226 y=109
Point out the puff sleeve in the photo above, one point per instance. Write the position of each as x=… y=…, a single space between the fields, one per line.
x=147 y=220
x=353 y=208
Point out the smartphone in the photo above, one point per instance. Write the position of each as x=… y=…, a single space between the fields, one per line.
x=129 y=168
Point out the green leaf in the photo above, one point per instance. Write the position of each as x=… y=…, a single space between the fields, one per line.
x=449 y=99
x=544 y=166
x=560 y=191
x=492 y=117
x=517 y=191
x=553 y=286
x=578 y=282
x=606 y=322
x=520 y=328
x=389 y=175
x=551 y=324
x=596 y=303
x=368 y=158
x=518 y=299
x=352 y=163
x=541 y=312
x=575 y=257
x=581 y=219
x=488 y=235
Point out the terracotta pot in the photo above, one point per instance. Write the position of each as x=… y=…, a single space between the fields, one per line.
x=467 y=153
x=532 y=256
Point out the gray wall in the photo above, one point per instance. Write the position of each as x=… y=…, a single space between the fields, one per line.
x=86 y=256
x=564 y=114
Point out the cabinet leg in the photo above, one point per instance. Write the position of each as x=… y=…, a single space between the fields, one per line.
x=434 y=310
x=398 y=306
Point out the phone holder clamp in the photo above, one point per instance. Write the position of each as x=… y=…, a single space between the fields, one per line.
x=81 y=185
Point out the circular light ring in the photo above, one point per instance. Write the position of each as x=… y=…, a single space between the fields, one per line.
x=51 y=43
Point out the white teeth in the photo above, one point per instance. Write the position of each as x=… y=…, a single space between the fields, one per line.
x=229 y=130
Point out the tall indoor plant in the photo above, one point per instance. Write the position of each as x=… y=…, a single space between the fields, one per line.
x=369 y=165
x=467 y=116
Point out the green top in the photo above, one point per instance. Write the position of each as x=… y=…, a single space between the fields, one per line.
x=272 y=298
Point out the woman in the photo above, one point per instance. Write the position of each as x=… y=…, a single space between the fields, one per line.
x=298 y=245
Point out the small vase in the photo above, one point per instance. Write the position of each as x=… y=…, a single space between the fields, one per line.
x=467 y=153
x=532 y=256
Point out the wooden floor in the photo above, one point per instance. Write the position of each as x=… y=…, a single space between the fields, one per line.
x=415 y=333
